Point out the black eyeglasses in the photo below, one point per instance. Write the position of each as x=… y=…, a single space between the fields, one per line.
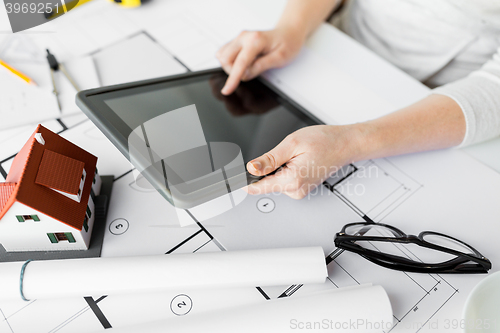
x=381 y=244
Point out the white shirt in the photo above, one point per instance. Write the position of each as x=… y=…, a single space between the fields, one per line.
x=450 y=44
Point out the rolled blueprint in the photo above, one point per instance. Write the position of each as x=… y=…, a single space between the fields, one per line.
x=357 y=309
x=120 y=275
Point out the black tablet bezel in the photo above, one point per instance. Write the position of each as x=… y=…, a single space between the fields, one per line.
x=109 y=123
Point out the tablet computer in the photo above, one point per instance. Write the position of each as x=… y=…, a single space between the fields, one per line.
x=188 y=140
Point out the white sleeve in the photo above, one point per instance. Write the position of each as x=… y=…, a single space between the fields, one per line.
x=479 y=97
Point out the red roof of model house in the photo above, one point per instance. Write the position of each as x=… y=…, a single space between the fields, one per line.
x=42 y=165
x=6 y=190
x=59 y=172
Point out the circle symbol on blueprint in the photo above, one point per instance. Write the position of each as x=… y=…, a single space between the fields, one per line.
x=118 y=226
x=181 y=305
x=266 y=205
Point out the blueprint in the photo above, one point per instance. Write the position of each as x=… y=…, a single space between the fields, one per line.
x=388 y=194
x=445 y=191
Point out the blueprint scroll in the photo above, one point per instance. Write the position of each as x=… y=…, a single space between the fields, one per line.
x=357 y=309
x=125 y=275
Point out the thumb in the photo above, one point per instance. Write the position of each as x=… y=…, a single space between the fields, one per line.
x=271 y=160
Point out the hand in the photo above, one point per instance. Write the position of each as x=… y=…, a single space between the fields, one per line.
x=254 y=52
x=312 y=154
x=309 y=155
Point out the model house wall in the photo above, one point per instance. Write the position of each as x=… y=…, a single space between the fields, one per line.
x=96 y=183
x=48 y=200
x=14 y=235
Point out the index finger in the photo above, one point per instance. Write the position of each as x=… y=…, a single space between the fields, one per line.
x=243 y=61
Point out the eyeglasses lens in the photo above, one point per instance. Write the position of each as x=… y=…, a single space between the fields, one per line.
x=448 y=243
x=375 y=230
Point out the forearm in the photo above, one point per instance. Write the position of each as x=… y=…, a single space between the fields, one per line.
x=305 y=16
x=433 y=123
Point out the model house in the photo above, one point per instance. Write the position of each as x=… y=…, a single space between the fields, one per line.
x=47 y=201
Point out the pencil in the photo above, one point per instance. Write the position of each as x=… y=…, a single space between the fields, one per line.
x=17 y=73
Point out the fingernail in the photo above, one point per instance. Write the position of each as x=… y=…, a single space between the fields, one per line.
x=256 y=165
x=224 y=90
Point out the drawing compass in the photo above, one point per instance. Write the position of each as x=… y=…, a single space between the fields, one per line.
x=55 y=66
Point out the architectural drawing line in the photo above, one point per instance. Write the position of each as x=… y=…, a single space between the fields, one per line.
x=136 y=33
x=418 y=284
x=170 y=53
x=263 y=293
x=348 y=203
x=2 y=172
x=75 y=125
x=413 y=307
x=294 y=290
x=97 y=311
x=431 y=275
x=8 y=158
x=367 y=219
x=427 y=292
x=331 y=257
x=346 y=272
x=63 y=125
x=69 y=320
x=398 y=321
x=393 y=203
x=123 y=175
x=402 y=249
x=354 y=169
x=434 y=286
x=219 y=245
x=209 y=235
x=332 y=282
x=20 y=309
x=443 y=279
x=183 y=242
x=5 y=319
x=202 y=227
x=101 y=298
x=73 y=317
x=388 y=174
x=182 y=64
x=425 y=323
x=202 y=245
x=412 y=193
x=386 y=197
x=404 y=173
x=407 y=249
x=290 y=290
